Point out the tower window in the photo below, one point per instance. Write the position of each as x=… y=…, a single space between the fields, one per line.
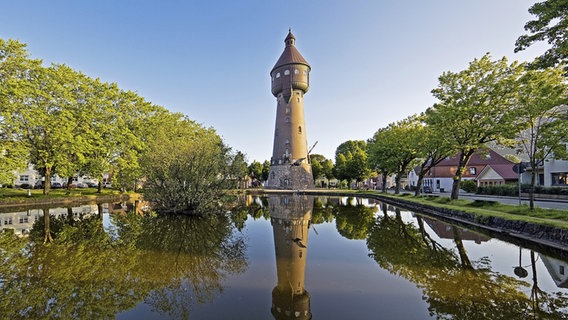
x=286 y=72
x=287 y=119
x=287 y=141
x=296 y=71
x=278 y=75
x=287 y=110
x=300 y=129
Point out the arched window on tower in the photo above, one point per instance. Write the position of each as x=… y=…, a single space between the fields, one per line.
x=296 y=71
x=286 y=72
x=299 y=129
x=278 y=75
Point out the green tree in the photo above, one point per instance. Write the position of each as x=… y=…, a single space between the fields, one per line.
x=399 y=144
x=40 y=111
x=240 y=169
x=327 y=169
x=188 y=168
x=255 y=171
x=265 y=170
x=475 y=107
x=379 y=149
x=340 y=168
x=542 y=117
x=550 y=25
x=317 y=168
x=351 y=161
x=433 y=147
x=14 y=63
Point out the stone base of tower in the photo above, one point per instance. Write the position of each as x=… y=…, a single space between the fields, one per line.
x=290 y=177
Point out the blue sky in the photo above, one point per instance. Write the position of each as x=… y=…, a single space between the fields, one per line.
x=373 y=62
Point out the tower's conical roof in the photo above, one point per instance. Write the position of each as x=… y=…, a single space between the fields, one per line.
x=291 y=55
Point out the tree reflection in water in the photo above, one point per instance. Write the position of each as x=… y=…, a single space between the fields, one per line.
x=169 y=262
x=452 y=285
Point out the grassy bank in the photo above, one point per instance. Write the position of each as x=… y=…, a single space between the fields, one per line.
x=21 y=197
x=22 y=194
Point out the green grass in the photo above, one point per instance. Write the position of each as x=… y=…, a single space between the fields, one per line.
x=22 y=194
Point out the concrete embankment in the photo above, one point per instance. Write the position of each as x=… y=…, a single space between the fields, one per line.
x=529 y=234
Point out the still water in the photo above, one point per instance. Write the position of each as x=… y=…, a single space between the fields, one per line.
x=277 y=257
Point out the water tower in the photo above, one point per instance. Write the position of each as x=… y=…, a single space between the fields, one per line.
x=289 y=165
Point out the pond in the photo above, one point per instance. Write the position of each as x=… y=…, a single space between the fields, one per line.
x=277 y=257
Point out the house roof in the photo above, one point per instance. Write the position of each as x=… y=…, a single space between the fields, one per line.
x=291 y=55
x=504 y=170
x=478 y=159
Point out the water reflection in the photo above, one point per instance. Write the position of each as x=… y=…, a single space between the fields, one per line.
x=71 y=268
x=102 y=262
x=290 y=218
x=453 y=285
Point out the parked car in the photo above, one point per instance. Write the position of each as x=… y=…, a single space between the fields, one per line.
x=92 y=185
x=107 y=185
x=427 y=189
x=56 y=185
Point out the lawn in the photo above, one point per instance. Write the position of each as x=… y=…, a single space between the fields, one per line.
x=22 y=194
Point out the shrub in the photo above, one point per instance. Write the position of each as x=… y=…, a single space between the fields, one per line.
x=469 y=185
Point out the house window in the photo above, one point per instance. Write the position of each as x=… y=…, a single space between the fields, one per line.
x=24 y=219
x=24 y=178
x=472 y=170
x=559 y=178
x=561 y=270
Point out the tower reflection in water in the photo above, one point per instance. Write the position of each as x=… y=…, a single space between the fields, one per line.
x=290 y=218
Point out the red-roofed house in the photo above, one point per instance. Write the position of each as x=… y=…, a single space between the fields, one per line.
x=494 y=174
x=440 y=177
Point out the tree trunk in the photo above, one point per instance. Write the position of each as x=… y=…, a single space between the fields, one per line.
x=397 y=183
x=69 y=183
x=419 y=184
x=384 y=187
x=47 y=184
x=464 y=159
x=533 y=183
